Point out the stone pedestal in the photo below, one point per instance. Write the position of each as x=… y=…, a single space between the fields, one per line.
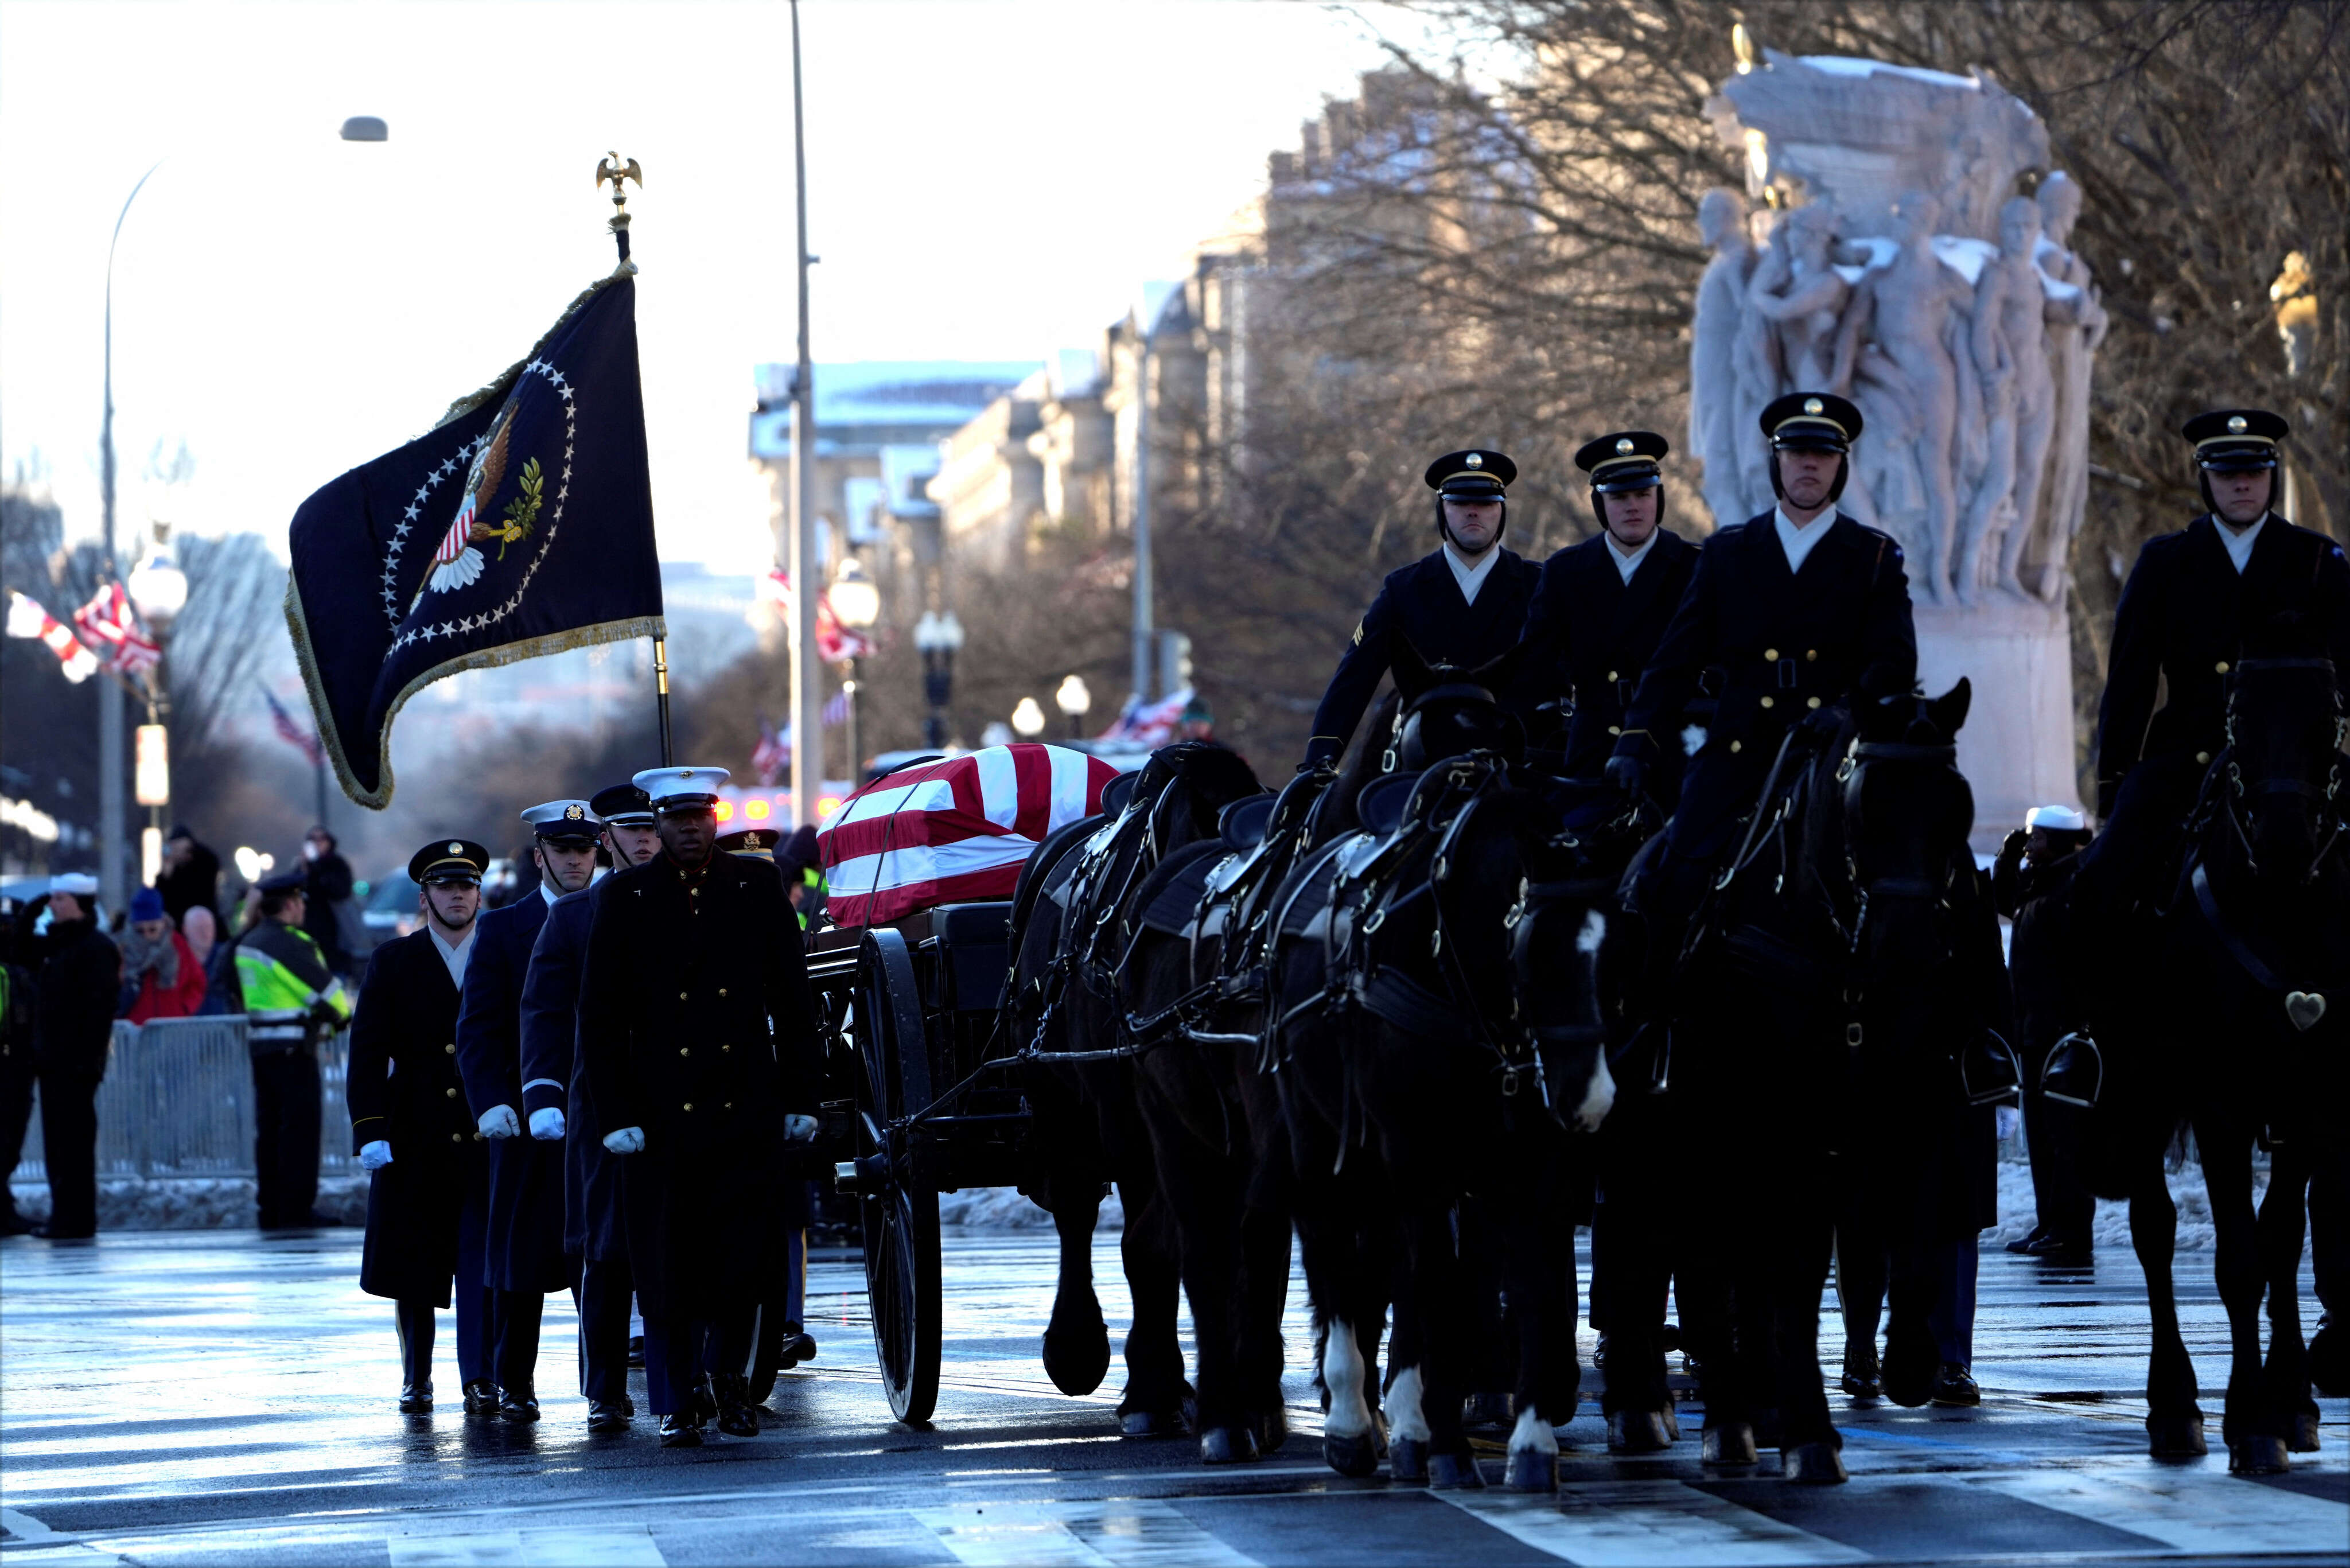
x=2016 y=749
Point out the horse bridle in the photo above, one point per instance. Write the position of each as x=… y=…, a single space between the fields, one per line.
x=2240 y=793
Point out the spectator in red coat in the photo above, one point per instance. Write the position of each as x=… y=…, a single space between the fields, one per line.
x=160 y=971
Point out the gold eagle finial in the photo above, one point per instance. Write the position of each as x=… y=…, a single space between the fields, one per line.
x=609 y=167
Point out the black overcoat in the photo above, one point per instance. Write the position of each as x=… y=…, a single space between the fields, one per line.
x=82 y=981
x=404 y=1090
x=1589 y=633
x=526 y=1249
x=698 y=1026
x=1782 y=644
x=2182 y=619
x=1422 y=603
x=555 y=1074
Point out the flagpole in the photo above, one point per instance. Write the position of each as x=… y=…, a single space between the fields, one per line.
x=807 y=724
x=619 y=173
x=661 y=684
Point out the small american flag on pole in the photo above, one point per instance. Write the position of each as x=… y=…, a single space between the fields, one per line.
x=952 y=831
x=292 y=734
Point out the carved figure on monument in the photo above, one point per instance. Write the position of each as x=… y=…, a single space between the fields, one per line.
x=2008 y=348
x=1715 y=414
x=2073 y=341
x=1802 y=295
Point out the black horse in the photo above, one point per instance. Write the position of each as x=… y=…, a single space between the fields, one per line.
x=1410 y=1078
x=1074 y=914
x=2247 y=1041
x=1843 y=972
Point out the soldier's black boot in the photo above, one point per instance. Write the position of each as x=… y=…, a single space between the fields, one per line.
x=519 y=1404
x=737 y=1418
x=679 y=1431
x=481 y=1398
x=414 y=1321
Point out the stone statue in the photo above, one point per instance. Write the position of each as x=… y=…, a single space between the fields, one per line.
x=1905 y=267
x=2073 y=341
x=1715 y=435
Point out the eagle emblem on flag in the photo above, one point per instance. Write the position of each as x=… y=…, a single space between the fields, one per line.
x=457 y=563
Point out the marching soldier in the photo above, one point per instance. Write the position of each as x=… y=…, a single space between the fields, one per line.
x=560 y=1114
x=1601 y=607
x=1799 y=608
x=697 y=1025
x=428 y=1203
x=1462 y=604
x=2184 y=612
x=527 y=1257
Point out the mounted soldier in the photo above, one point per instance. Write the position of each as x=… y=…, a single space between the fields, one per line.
x=1798 y=608
x=2182 y=618
x=527 y=1257
x=1462 y=604
x=1600 y=608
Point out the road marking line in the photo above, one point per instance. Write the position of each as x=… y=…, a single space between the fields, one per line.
x=555 y=1547
x=1632 y=1524
x=2190 y=1507
x=1123 y=1533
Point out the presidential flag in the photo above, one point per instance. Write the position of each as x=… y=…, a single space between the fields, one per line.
x=522 y=524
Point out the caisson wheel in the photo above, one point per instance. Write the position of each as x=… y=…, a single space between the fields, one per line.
x=900 y=1213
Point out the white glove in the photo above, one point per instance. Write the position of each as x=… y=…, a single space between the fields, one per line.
x=628 y=1140
x=799 y=1129
x=499 y=1121
x=546 y=1123
x=375 y=1156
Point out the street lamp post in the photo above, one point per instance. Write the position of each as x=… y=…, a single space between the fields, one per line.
x=110 y=890
x=159 y=591
x=1074 y=699
x=937 y=637
x=857 y=605
x=1027 y=719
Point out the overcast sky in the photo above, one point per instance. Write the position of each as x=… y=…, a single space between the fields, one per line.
x=988 y=179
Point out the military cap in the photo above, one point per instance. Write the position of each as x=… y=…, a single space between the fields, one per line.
x=622 y=806
x=1622 y=462
x=564 y=822
x=2056 y=819
x=679 y=790
x=1476 y=474
x=281 y=882
x=2230 y=440
x=758 y=843
x=799 y=851
x=1812 y=421
x=449 y=861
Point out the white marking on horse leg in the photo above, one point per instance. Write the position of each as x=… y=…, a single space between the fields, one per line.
x=1594 y=932
x=1342 y=1374
x=1405 y=1418
x=1598 y=1096
x=1532 y=1433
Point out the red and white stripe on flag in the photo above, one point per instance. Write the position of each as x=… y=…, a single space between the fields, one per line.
x=954 y=831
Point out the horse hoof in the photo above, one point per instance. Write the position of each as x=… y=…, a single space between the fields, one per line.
x=1637 y=1432
x=1355 y=1456
x=1532 y=1471
x=2175 y=1437
x=1272 y=1431
x=2258 y=1457
x=1731 y=1443
x=1150 y=1423
x=1227 y=1446
x=1408 y=1459
x=1454 y=1472
x=1077 y=1362
x=1485 y=1410
x=1813 y=1464
x=2302 y=1438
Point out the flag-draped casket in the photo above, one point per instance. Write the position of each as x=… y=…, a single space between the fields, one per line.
x=951 y=831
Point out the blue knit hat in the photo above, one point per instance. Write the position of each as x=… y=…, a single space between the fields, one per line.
x=146 y=905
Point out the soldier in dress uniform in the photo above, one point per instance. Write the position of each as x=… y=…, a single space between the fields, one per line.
x=2183 y=615
x=428 y=1202
x=1798 y=608
x=1463 y=604
x=559 y=1112
x=1600 y=608
x=697 y=1024
x=527 y=1257
x=784 y=1341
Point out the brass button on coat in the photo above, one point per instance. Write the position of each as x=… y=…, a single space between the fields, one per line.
x=1811 y=655
x=689 y=1105
x=2203 y=759
x=451 y=1049
x=1770 y=703
x=1811 y=702
x=685 y=1050
x=1772 y=654
x=727 y=1047
x=453 y=1093
x=2220 y=668
x=1613 y=676
x=1737 y=746
x=456 y=1138
x=680 y=996
x=722 y=991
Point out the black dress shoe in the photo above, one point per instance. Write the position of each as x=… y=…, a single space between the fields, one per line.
x=735 y=1417
x=680 y=1432
x=416 y=1399
x=636 y=1350
x=603 y=1416
x=1954 y=1385
x=2024 y=1244
x=798 y=1345
x=71 y=1233
x=481 y=1398
x=519 y=1405
x=1862 y=1378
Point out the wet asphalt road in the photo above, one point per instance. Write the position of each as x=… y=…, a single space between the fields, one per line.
x=219 y=1397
